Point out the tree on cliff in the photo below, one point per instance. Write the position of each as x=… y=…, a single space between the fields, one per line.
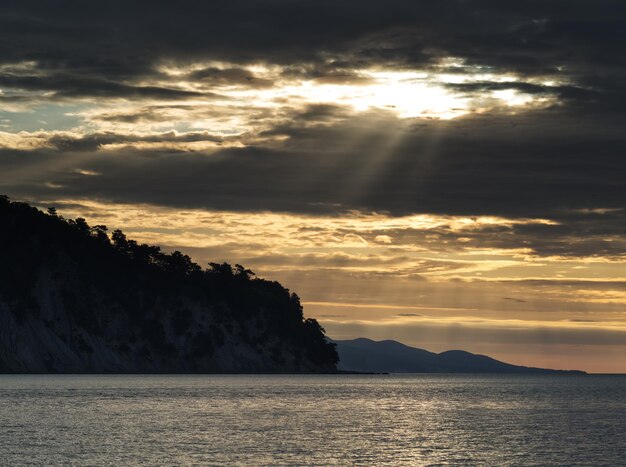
x=152 y=292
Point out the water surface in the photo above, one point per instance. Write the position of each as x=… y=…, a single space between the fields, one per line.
x=313 y=420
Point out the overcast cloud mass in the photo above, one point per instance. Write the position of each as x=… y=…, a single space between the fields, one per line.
x=447 y=173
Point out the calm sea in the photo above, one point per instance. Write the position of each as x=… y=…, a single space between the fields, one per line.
x=313 y=420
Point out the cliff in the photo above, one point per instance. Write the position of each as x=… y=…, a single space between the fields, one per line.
x=74 y=299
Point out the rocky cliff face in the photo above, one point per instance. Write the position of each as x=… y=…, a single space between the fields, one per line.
x=73 y=301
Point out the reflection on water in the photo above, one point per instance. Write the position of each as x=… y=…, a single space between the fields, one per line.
x=313 y=420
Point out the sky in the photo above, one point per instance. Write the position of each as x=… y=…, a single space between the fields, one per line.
x=450 y=174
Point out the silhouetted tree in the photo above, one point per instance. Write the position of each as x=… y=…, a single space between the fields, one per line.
x=100 y=232
x=179 y=263
x=81 y=225
x=242 y=272
x=220 y=268
x=119 y=241
x=297 y=305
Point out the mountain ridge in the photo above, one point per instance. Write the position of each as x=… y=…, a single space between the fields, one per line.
x=389 y=356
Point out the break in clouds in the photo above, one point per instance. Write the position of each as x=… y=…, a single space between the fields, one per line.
x=460 y=107
x=440 y=142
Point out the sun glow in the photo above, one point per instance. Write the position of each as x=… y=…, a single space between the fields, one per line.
x=408 y=94
x=405 y=98
x=238 y=105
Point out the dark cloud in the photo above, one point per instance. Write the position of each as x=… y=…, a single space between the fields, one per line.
x=574 y=284
x=114 y=42
x=152 y=113
x=562 y=163
x=72 y=86
x=93 y=141
x=545 y=165
x=229 y=76
x=564 y=92
x=517 y=300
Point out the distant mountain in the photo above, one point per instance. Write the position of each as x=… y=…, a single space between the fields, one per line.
x=74 y=299
x=365 y=355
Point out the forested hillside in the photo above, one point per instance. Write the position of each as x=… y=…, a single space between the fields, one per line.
x=77 y=298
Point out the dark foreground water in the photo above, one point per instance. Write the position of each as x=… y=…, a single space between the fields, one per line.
x=313 y=420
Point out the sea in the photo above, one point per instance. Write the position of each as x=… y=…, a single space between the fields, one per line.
x=320 y=420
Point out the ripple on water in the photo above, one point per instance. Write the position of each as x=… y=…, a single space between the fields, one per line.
x=313 y=420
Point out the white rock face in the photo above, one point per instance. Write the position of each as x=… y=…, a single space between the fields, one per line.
x=52 y=341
